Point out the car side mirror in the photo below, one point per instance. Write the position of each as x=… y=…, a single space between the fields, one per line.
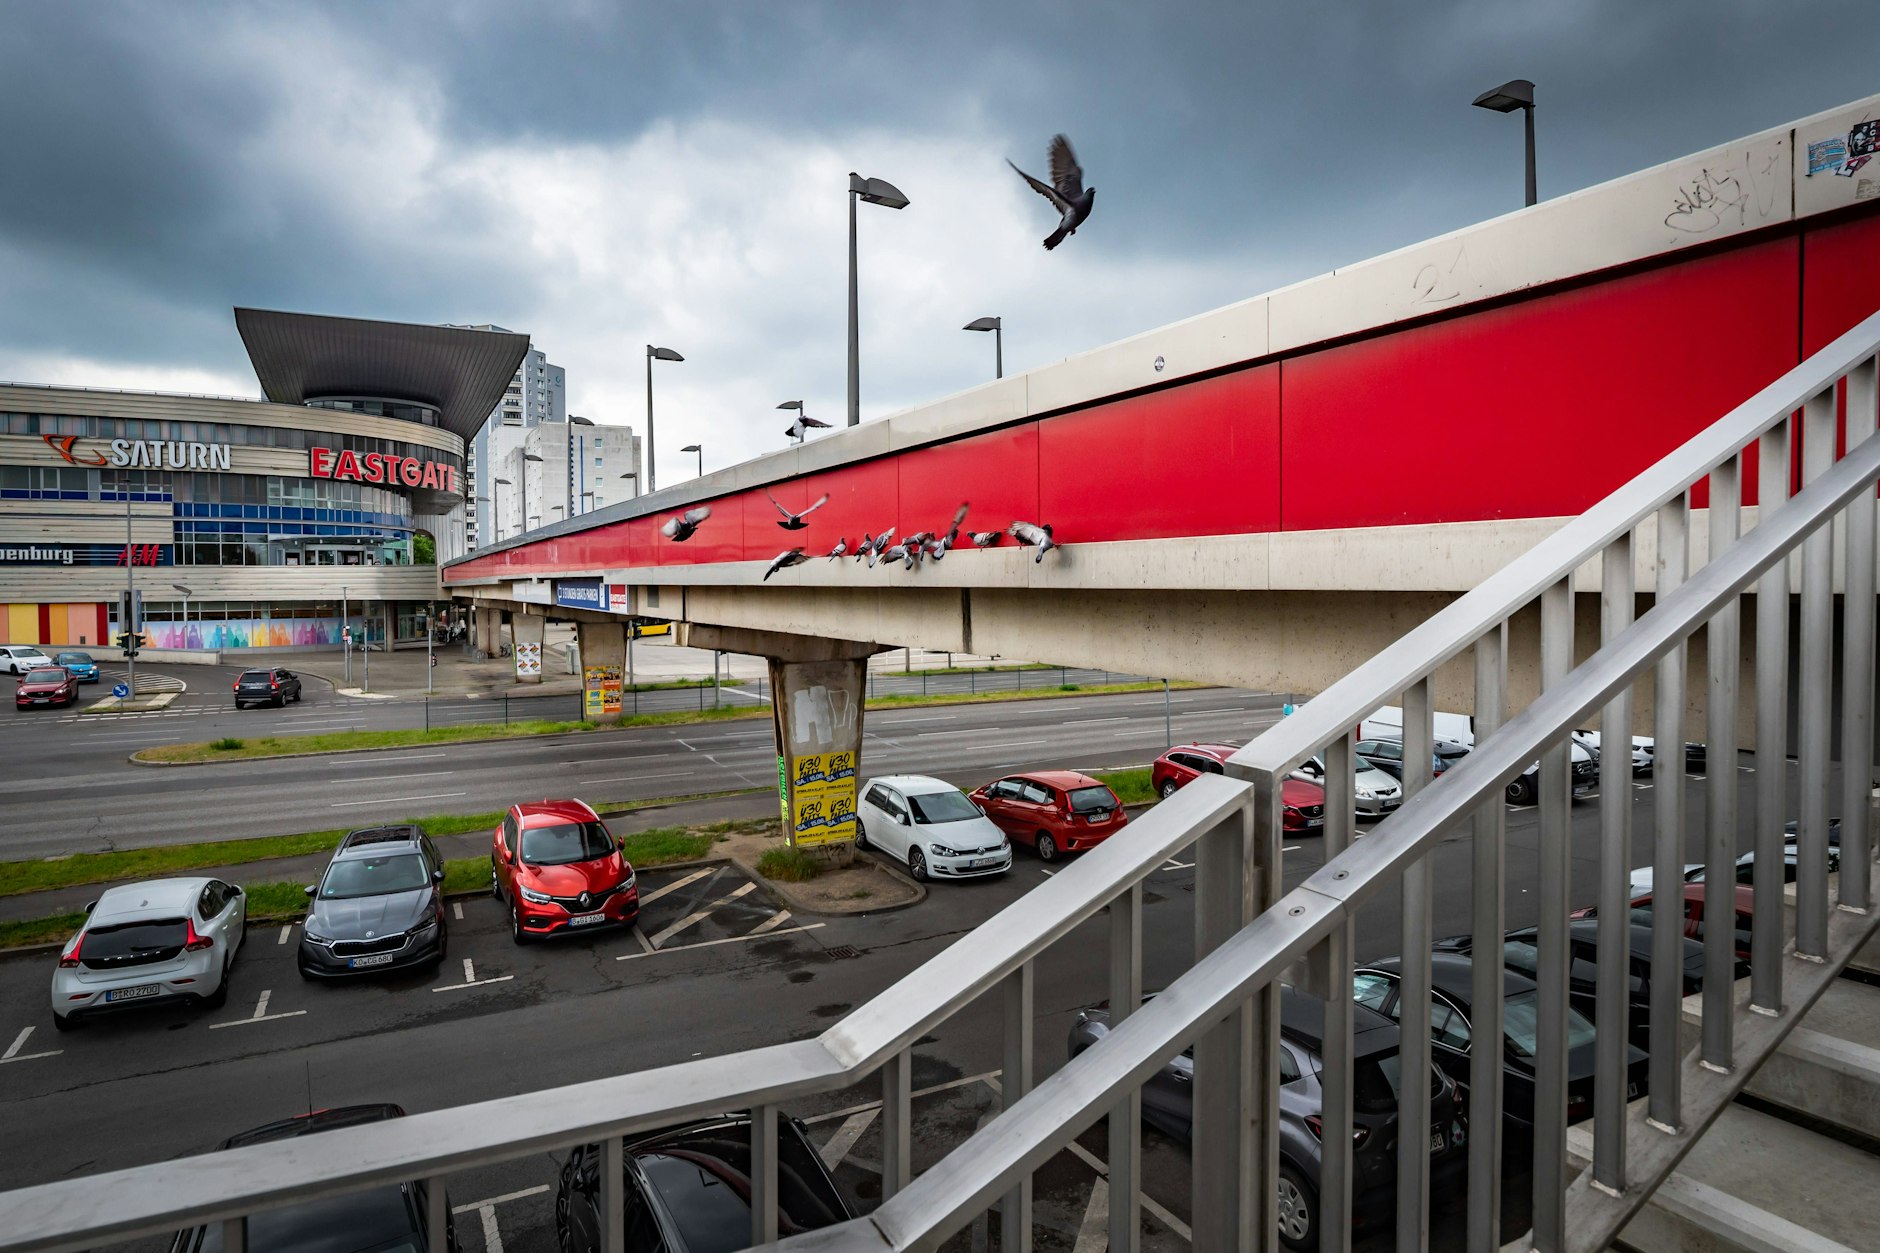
x=311 y=889
x=981 y=809
x=620 y=842
x=903 y=820
x=437 y=876
x=90 y=905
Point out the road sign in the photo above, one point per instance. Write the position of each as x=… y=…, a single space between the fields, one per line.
x=121 y=690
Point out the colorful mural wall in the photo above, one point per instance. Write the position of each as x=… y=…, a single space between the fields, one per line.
x=244 y=633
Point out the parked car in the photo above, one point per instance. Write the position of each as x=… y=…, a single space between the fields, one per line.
x=1642 y=749
x=1302 y=801
x=1168 y=1106
x=266 y=687
x=930 y=826
x=1054 y=811
x=378 y=906
x=1693 y=908
x=1520 y=952
x=19 y=658
x=1525 y=788
x=79 y=663
x=390 y=1218
x=1375 y=793
x=1375 y=986
x=152 y=943
x=1695 y=872
x=46 y=685
x=561 y=870
x=688 y=1189
x=1387 y=755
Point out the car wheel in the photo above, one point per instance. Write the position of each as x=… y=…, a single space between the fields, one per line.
x=861 y=835
x=303 y=972
x=516 y=933
x=63 y=1023
x=917 y=865
x=1047 y=847
x=1298 y=1210
x=1521 y=791
x=279 y=701
x=297 y=695
x=218 y=998
x=1168 y=788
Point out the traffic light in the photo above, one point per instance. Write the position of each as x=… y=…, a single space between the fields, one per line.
x=129 y=642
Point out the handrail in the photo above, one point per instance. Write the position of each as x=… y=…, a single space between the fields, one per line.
x=1457 y=625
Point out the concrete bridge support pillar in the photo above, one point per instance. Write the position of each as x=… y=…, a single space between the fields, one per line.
x=486 y=627
x=526 y=632
x=603 y=649
x=817 y=689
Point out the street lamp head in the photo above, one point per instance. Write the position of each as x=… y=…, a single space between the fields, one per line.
x=630 y=475
x=1516 y=93
x=792 y=404
x=662 y=354
x=529 y=456
x=877 y=191
x=692 y=448
x=504 y=483
x=982 y=324
x=184 y=590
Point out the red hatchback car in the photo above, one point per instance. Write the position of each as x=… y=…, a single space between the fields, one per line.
x=49 y=685
x=1054 y=811
x=561 y=870
x=1302 y=801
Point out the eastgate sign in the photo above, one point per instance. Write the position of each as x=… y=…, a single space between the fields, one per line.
x=378 y=467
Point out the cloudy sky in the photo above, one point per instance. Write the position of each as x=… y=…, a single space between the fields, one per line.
x=604 y=174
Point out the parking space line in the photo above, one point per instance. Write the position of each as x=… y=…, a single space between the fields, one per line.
x=470 y=979
x=1149 y=1203
x=287 y=929
x=394 y=800
x=1172 y=864
x=505 y=1198
x=492 y=1235
x=1094 y=1235
x=645 y=944
x=456 y=910
x=699 y=915
x=13 y=1053
x=729 y=939
x=775 y=920
x=838 y=1145
x=675 y=885
x=261 y=1014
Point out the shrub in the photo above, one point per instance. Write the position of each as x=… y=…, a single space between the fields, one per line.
x=792 y=865
x=227 y=744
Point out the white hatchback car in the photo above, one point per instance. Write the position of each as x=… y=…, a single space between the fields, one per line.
x=161 y=941
x=932 y=827
x=22 y=658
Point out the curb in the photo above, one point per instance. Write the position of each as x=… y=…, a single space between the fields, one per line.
x=137 y=704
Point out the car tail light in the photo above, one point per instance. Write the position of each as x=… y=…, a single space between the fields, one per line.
x=275 y=684
x=1358 y=1134
x=237 y=687
x=1578 y=1107
x=196 y=943
x=68 y=961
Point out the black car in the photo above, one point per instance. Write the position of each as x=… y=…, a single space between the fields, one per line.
x=1520 y=953
x=1387 y=755
x=688 y=1189
x=1452 y=991
x=391 y=1217
x=1168 y=1106
x=378 y=906
x=266 y=687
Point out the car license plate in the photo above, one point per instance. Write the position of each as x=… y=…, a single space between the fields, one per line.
x=373 y=959
x=1314 y=822
x=1391 y=802
x=132 y=994
x=1582 y=789
x=1437 y=1144
x=586 y=920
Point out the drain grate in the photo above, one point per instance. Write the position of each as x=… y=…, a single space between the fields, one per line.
x=843 y=950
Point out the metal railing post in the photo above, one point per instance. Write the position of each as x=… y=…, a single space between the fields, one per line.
x=437 y=1217
x=1125 y=1176
x=1668 y=693
x=764 y=1174
x=613 y=1195
x=1014 y=1083
x=1817 y=676
x=235 y=1235
x=1333 y=1221
x=1612 y=990
x=1857 y=677
x=1486 y=924
x=1413 y=1111
x=1553 y=871
x=1772 y=769
x=897 y=1144
x=1722 y=640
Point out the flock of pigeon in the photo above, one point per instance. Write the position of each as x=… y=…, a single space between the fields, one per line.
x=879 y=549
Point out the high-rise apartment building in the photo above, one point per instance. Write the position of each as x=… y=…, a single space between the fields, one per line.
x=537 y=394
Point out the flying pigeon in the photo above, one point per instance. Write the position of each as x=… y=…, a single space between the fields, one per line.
x=783 y=561
x=841 y=549
x=872 y=549
x=1067 y=194
x=986 y=539
x=892 y=555
x=679 y=527
x=794 y=521
x=937 y=548
x=800 y=427
x=1027 y=534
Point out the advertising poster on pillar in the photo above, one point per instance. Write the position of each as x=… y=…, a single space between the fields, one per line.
x=819 y=734
x=528 y=660
x=600 y=690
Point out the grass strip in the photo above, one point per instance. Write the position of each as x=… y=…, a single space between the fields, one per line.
x=792 y=865
x=1132 y=787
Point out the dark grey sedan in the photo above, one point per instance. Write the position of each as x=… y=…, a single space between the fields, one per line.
x=1168 y=1106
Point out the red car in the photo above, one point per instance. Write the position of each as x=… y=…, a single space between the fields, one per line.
x=49 y=685
x=1694 y=913
x=1054 y=811
x=561 y=870
x=1302 y=801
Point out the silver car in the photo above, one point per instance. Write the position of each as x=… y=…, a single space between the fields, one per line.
x=159 y=942
x=1376 y=792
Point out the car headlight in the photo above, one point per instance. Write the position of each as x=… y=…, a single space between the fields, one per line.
x=941 y=850
x=1365 y=794
x=534 y=897
x=625 y=883
x=314 y=937
x=427 y=923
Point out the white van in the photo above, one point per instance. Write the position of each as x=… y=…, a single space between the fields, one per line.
x=1387 y=724
x=1524 y=789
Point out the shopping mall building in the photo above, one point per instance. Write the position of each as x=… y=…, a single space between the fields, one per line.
x=249 y=523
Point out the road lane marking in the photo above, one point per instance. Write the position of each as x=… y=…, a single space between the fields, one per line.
x=261 y=1013
x=1091 y=722
x=635 y=778
x=846 y=1135
x=934 y=718
x=13 y=1053
x=700 y=915
x=456 y=910
x=396 y=800
x=387 y=778
x=1094 y=1235
x=775 y=920
x=504 y=1199
x=729 y=939
x=492 y=1235
x=675 y=885
x=1013 y=744
x=287 y=929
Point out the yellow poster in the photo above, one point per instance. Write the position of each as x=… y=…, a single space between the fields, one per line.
x=600 y=687
x=822 y=795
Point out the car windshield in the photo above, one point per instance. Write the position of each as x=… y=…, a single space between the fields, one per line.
x=28 y=653
x=703 y=1180
x=373 y=876
x=73 y=659
x=49 y=674
x=565 y=843
x=379 y=1220
x=932 y=808
x=1090 y=800
x=1523 y=1026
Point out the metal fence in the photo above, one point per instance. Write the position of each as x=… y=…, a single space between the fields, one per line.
x=1248 y=935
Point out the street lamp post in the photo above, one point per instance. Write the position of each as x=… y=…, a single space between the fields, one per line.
x=186 y=595
x=700 y=450
x=653 y=354
x=630 y=474
x=345 y=623
x=997 y=327
x=1516 y=93
x=527 y=457
x=874 y=191
x=496 y=512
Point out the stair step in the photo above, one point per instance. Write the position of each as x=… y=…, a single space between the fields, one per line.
x=1829 y=1067
x=1754 y=1183
x=1866 y=959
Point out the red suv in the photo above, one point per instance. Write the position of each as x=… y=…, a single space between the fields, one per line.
x=1054 y=811
x=560 y=870
x=1302 y=801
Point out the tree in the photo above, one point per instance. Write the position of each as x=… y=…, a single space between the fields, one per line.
x=423 y=549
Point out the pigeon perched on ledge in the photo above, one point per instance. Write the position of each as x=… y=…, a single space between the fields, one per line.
x=783 y=561
x=680 y=527
x=986 y=539
x=1031 y=535
x=937 y=548
x=1067 y=192
x=841 y=549
x=794 y=521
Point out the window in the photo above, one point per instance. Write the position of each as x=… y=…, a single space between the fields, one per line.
x=877 y=796
x=933 y=808
x=1370 y=989
x=1447 y=1025
x=509 y=833
x=374 y=876
x=1289 y=1071
x=1032 y=794
x=565 y=843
